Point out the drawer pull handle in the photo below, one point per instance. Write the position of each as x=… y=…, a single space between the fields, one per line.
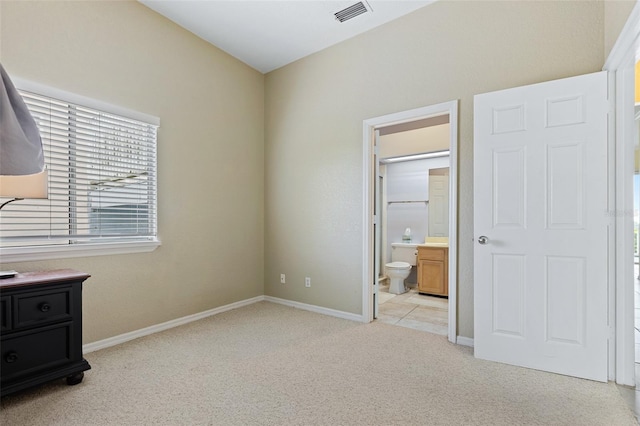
x=11 y=357
x=45 y=307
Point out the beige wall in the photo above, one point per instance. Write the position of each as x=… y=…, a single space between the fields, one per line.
x=210 y=153
x=315 y=108
x=616 y=13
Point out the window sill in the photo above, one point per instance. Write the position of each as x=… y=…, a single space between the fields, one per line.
x=27 y=254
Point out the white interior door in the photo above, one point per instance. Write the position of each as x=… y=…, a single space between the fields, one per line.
x=439 y=204
x=540 y=224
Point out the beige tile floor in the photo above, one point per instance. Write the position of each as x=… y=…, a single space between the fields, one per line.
x=413 y=310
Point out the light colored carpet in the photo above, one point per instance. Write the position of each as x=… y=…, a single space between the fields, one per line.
x=267 y=364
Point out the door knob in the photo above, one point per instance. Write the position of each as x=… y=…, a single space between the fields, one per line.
x=483 y=240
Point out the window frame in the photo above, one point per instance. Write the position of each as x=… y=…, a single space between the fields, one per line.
x=107 y=247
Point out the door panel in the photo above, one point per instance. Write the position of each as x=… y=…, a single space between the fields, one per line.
x=508 y=288
x=509 y=187
x=565 y=299
x=432 y=276
x=565 y=185
x=540 y=198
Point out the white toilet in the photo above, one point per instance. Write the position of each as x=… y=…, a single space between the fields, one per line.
x=397 y=273
x=403 y=256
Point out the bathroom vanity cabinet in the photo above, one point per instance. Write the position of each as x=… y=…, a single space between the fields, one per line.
x=433 y=268
x=41 y=329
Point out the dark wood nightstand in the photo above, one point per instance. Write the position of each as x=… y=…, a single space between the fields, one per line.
x=41 y=329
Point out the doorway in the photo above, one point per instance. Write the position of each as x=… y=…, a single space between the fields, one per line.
x=622 y=132
x=371 y=253
x=414 y=165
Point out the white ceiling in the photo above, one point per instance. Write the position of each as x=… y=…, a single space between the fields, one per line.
x=268 y=34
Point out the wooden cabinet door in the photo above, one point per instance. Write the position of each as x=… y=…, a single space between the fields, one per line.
x=433 y=270
x=432 y=277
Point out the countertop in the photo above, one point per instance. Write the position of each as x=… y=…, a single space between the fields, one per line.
x=416 y=245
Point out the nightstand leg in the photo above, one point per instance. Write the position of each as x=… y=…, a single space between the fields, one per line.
x=75 y=379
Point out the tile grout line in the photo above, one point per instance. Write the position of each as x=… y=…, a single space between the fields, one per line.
x=407 y=314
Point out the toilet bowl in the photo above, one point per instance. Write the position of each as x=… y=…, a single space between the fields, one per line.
x=397 y=273
x=403 y=258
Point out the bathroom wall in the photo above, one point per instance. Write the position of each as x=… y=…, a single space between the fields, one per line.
x=408 y=181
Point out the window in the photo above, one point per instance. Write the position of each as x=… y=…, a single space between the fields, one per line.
x=102 y=180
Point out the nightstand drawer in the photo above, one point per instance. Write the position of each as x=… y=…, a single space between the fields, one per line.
x=42 y=307
x=31 y=352
x=5 y=313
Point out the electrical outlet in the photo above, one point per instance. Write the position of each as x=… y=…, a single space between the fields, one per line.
x=307 y=282
x=282 y=279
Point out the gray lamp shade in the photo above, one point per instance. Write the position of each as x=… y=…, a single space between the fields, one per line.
x=20 y=144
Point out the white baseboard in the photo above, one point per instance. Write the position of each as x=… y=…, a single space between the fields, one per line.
x=316 y=309
x=464 y=341
x=116 y=340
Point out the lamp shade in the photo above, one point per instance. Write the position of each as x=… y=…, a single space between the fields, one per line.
x=25 y=186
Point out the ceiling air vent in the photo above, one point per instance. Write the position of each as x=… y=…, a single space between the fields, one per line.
x=351 y=12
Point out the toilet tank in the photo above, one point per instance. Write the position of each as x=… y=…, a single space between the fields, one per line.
x=404 y=252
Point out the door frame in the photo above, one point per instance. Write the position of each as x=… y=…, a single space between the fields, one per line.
x=368 y=129
x=622 y=134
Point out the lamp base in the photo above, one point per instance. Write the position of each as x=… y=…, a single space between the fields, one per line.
x=7 y=274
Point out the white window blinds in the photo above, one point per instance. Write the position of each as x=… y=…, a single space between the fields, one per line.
x=102 y=179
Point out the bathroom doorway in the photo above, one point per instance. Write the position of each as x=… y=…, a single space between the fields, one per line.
x=412 y=158
x=415 y=214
